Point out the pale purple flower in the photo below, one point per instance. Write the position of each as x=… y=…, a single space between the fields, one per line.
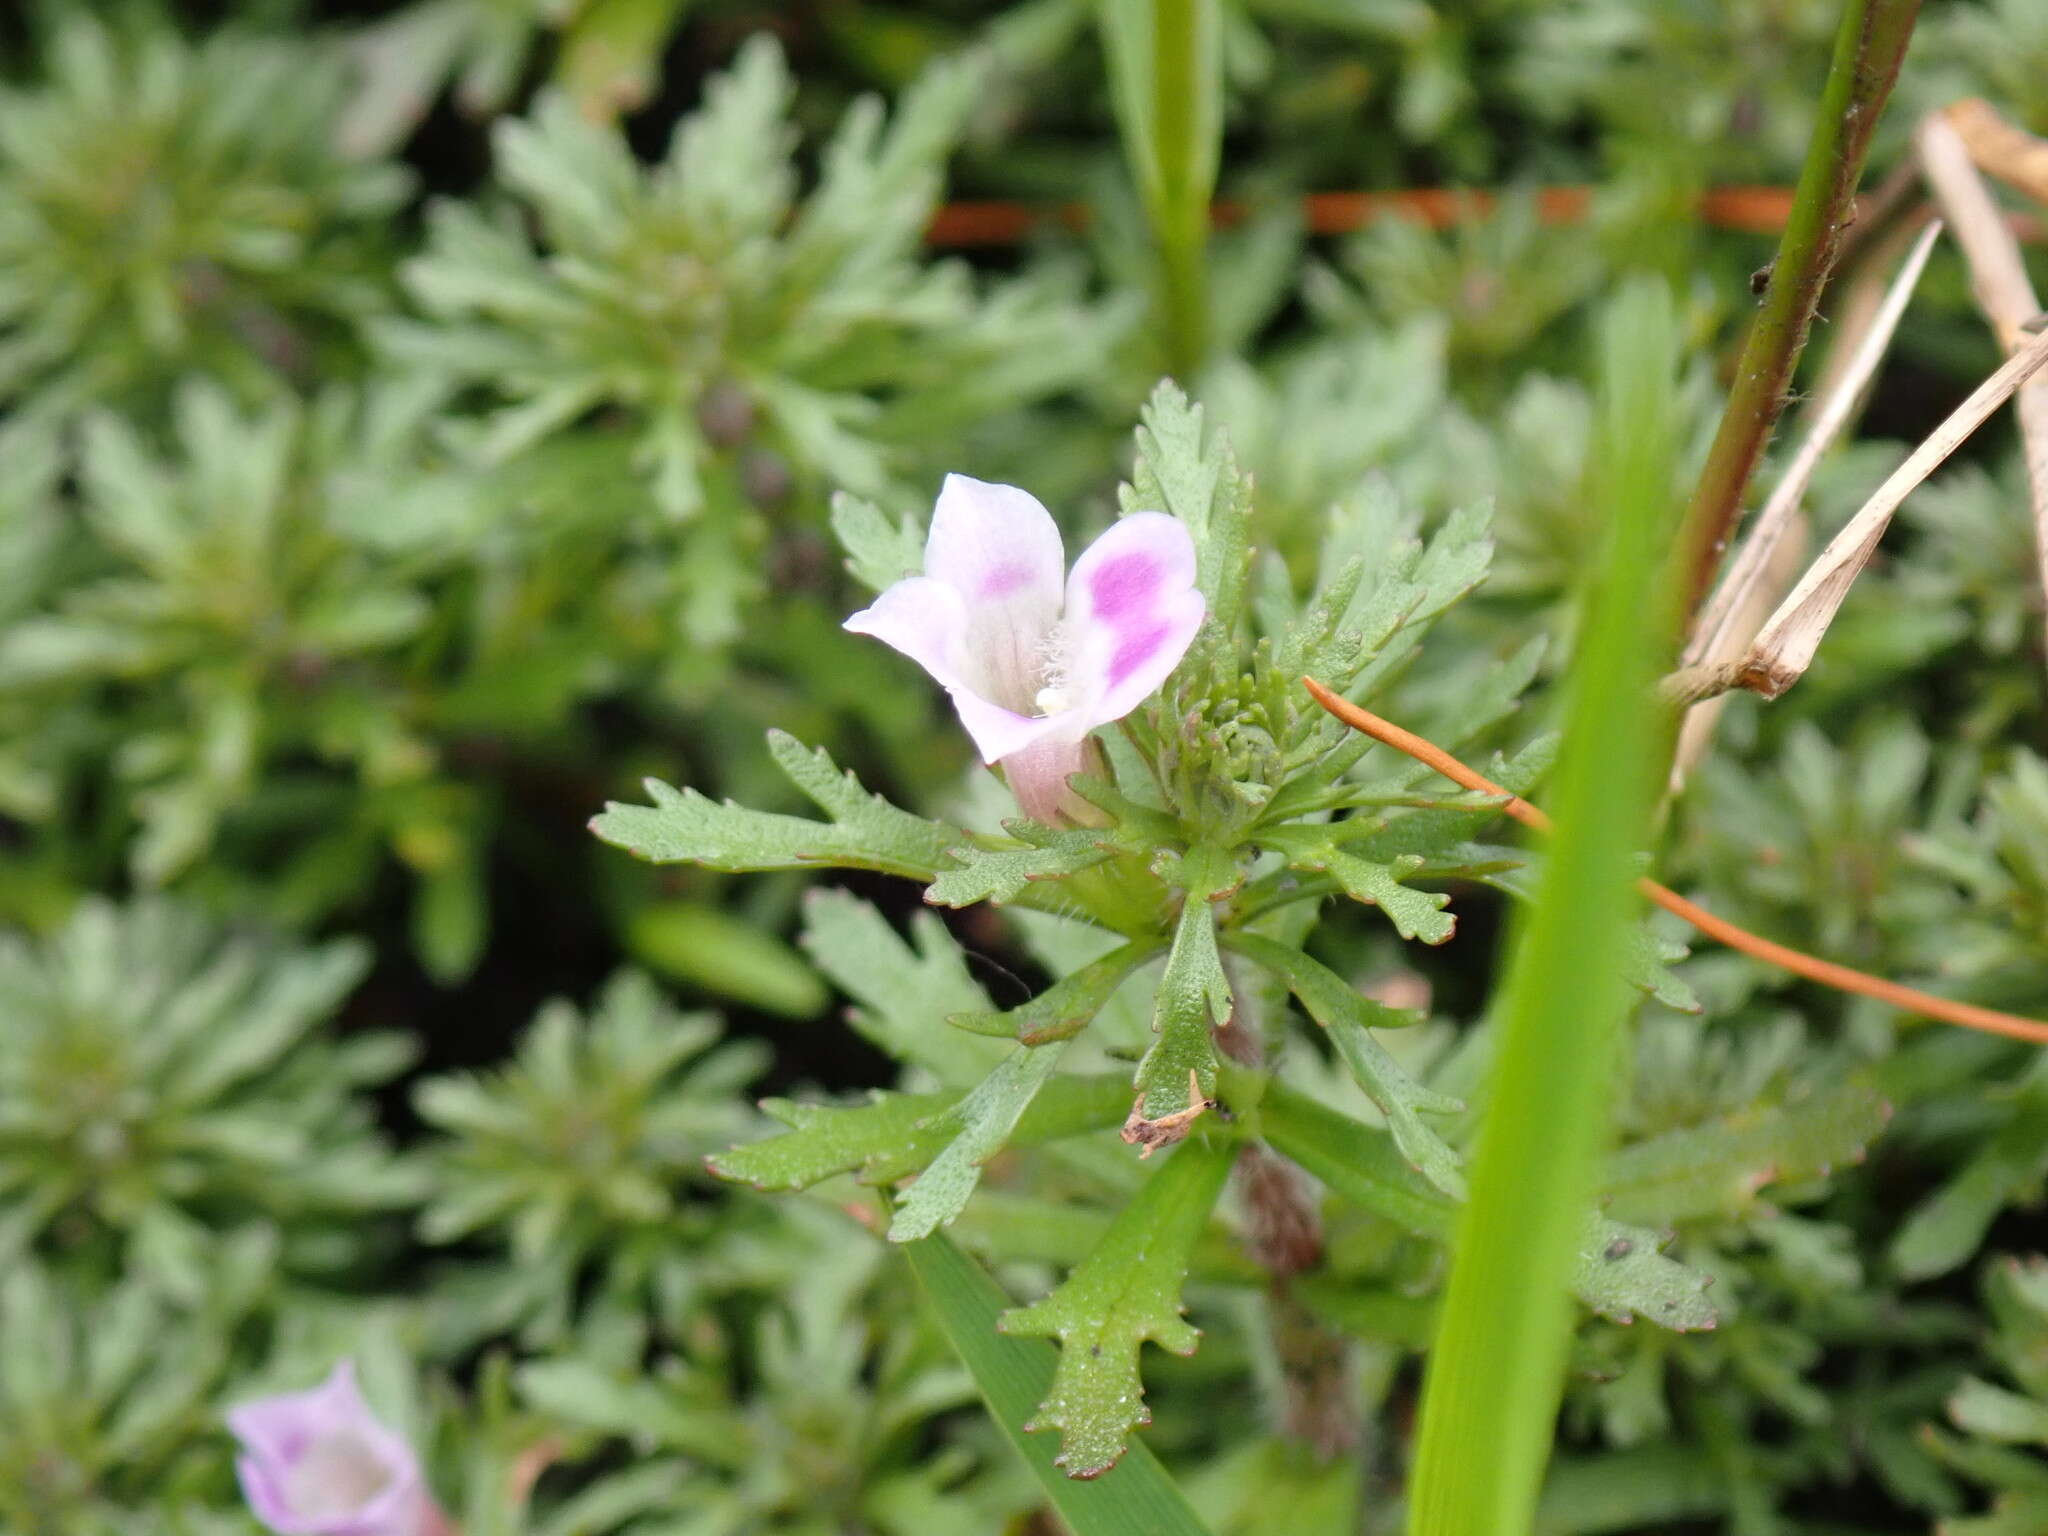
x=1033 y=657
x=318 y=1463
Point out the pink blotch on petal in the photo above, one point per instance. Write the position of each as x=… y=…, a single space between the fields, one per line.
x=1121 y=584
x=1132 y=611
x=1134 y=651
x=1002 y=580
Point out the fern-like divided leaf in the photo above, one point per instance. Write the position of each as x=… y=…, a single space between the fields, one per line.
x=985 y=1120
x=1618 y=1272
x=1719 y=1170
x=865 y=831
x=1127 y=1291
x=1002 y=874
x=1069 y=1005
x=1189 y=471
x=907 y=993
x=896 y=1134
x=1013 y=1374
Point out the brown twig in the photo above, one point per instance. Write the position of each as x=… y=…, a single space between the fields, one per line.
x=1998 y=277
x=1826 y=972
x=1868 y=50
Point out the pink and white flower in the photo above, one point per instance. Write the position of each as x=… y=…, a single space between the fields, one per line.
x=318 y=1463
x=1033 y=657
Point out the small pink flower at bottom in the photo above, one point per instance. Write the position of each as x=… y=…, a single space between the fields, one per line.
x=1033 y=657
x=318 y=1463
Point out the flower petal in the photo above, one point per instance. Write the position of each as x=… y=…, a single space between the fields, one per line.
x=922 y=618
x=284 y=1436
x=999 y=549
x=999 y=733
x=260 y=1491
x=927 y=621
x=280 y=1428
x=1132 y=611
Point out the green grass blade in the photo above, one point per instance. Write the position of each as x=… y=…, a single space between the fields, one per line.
x=1495 y=1373
x=1014 y=1374
x=1166 y=81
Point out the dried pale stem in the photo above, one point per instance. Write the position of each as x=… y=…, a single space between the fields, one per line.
x=1713 y=638
x=1998 y=277
x=1826 y=972
x=2000 y=149
x=1785 y=647
x=1769 y=560
x=1868 y=50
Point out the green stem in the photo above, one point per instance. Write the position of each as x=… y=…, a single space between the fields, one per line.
x=1166 y=74
x=1868 y=50
x=1496 y=1370
x=1186 y=30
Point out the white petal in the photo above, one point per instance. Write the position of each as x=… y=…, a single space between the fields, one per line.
x=999 y=733
x=999 y=549
x=922 y=618
x=927 y=621
x=1132 y=611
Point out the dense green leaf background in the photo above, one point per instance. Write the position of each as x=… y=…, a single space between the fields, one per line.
x=424 y=423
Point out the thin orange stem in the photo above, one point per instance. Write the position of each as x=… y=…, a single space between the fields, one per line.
x=1826 y=972
x=1749 y=210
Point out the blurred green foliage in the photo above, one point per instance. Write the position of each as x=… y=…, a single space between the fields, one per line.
x=421 y=421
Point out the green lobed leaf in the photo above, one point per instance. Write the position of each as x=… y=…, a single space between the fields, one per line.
x=1350 y=1017
x=1619 y=1272
x=1001 y=874
x=985 y=1118
x=1066 y=1007
x=865 y=832
x=877 y=1141
x=1414 y=914
x=907 y=992
x=879 y=551
x=1720 y=1168
x=1646 y=961
x=895 y=1134
x=1189 y=472
x=1127 y=1291
x=1945 y=1230
x=1014 y=1375
x=1194 y=994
